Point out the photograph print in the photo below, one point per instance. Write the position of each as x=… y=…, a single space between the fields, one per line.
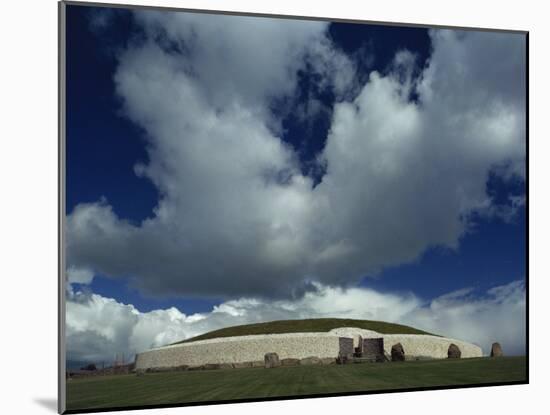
x=278 y=207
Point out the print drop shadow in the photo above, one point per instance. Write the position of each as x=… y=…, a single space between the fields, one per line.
x=48 y=403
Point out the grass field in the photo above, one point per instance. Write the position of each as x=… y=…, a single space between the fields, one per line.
x=306 y=326
x=231 y=384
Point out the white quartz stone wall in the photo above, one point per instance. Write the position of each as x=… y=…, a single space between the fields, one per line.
x=415 y=345
x=355 y=333
x=426 y=346
x=240 y=349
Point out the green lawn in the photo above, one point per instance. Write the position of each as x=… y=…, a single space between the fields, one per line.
x=307 y=326
x=198 y=386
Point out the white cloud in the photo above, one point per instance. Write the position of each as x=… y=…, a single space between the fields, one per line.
x=237 y=218
x=98 y=327
x=404 y=175
x=244 y=61
x=79 y=275
x=334 y=68
x=497 y=316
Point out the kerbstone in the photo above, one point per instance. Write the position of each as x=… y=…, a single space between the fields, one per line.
x=397 y=353
x=271 y=360
x=290 y=362
x=454 y=352
x=311 y=360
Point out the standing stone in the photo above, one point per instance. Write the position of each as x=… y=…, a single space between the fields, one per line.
x=453 y=352
x=343 y=359
x=373 y=350
x=271 y=360
x=496 y=350
x=345 y=346
x=397 y=353
x=359 y=348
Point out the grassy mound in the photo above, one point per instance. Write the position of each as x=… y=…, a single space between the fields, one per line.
x=305 y=326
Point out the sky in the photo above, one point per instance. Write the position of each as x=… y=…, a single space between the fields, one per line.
x=223 y=170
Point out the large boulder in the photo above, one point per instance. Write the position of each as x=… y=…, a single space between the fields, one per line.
x=496 y=350
x=312 y=360
x=397 y=353
x=242 y=365
x=453 y=352
x=290 y=362
x=328 y=361
x=271 y=360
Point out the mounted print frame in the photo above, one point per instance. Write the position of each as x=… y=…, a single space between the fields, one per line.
x=264 y=207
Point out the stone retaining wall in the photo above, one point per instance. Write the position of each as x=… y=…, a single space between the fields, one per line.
x=239 y=349
x=416 y=346
x=423 y=346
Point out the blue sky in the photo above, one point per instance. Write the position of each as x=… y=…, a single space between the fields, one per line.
x=109 y=132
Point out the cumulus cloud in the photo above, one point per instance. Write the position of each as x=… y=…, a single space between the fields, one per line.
x=79 y=275
x=98 y=327
x=236 y=217
x=231 y=62
x=499 y=315
x=403 y=175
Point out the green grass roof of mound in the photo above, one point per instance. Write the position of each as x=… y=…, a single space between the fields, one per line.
x=306 y=326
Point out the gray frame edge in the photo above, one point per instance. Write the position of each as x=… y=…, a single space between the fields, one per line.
x=286 y=16
x=61 y=102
